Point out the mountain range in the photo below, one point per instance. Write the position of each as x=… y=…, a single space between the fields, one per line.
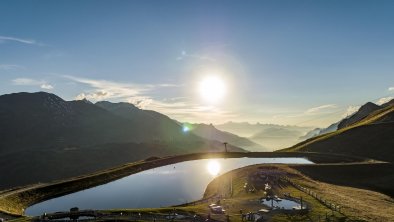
x=44 y=137
x=320 y=131
x=270 y=136
x=210 y=132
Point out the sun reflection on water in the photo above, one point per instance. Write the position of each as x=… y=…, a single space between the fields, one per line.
x=213 y=167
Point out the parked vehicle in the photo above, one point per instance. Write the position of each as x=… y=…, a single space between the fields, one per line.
x=218 y=210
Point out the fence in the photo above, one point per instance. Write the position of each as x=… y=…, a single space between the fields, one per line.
x=328 y=204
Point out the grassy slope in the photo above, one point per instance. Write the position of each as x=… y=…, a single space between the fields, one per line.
x=250 y=201
x=364 y=138
x=357 y=204
x=377 y=177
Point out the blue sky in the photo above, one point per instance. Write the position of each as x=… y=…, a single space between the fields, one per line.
x=285 y=62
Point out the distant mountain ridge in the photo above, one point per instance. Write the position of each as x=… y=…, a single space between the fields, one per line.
x=320 y=131
x=271 y=136
x=210 y=132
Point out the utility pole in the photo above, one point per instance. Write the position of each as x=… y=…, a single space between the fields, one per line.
x=225 y=146
x=231 y=185
x=301 y=202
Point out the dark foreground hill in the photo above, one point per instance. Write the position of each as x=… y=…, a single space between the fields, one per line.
x=372 y=137
x=44 y=137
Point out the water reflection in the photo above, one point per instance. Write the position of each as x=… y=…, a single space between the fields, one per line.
x=282 y=204
x=163 y=186
x=213 y=167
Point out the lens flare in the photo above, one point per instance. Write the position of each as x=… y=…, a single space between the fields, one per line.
x=185 y=129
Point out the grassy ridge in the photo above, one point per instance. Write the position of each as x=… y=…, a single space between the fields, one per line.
x=370 y=119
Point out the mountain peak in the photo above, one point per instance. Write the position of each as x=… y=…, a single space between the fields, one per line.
x=86 y=101
x=36 y=99
x=120 y=105
x=369 y=105
x=366 y=109
x=363 y=112
x=28 y=95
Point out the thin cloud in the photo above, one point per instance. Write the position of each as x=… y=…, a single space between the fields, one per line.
x=32 y=82
x=186 y=111
x=46 y=86
x=25 y=82
x=391 y=88
x=185 y=55
x=320 y=111
x=321 y=108
x=104 y=89
x=10 y=67
x=141 y=102
x=140 y=95
x=384 y=100
x=350 y=111
x=19 y=40
x=99 y=95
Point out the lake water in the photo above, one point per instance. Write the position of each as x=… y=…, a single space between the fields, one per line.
x=163 y=186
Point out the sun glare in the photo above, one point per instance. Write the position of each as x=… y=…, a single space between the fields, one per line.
x=213 y=167
x=212 y=89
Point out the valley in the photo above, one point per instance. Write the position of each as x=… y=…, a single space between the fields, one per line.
x=339 y=176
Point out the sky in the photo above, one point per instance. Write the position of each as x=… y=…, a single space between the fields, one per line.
x=283 y=62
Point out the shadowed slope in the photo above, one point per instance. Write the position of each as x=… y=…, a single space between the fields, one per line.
x=371 y=137
x=44 y=137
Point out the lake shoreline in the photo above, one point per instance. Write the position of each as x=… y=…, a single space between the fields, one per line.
x=14 y=201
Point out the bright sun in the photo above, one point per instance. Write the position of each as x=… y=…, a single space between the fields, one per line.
x=212 y=89
x=213 y=167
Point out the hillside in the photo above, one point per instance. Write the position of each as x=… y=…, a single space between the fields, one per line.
x=211 y=133
x=44 y=137
x=370 y=137
x=156 y=125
